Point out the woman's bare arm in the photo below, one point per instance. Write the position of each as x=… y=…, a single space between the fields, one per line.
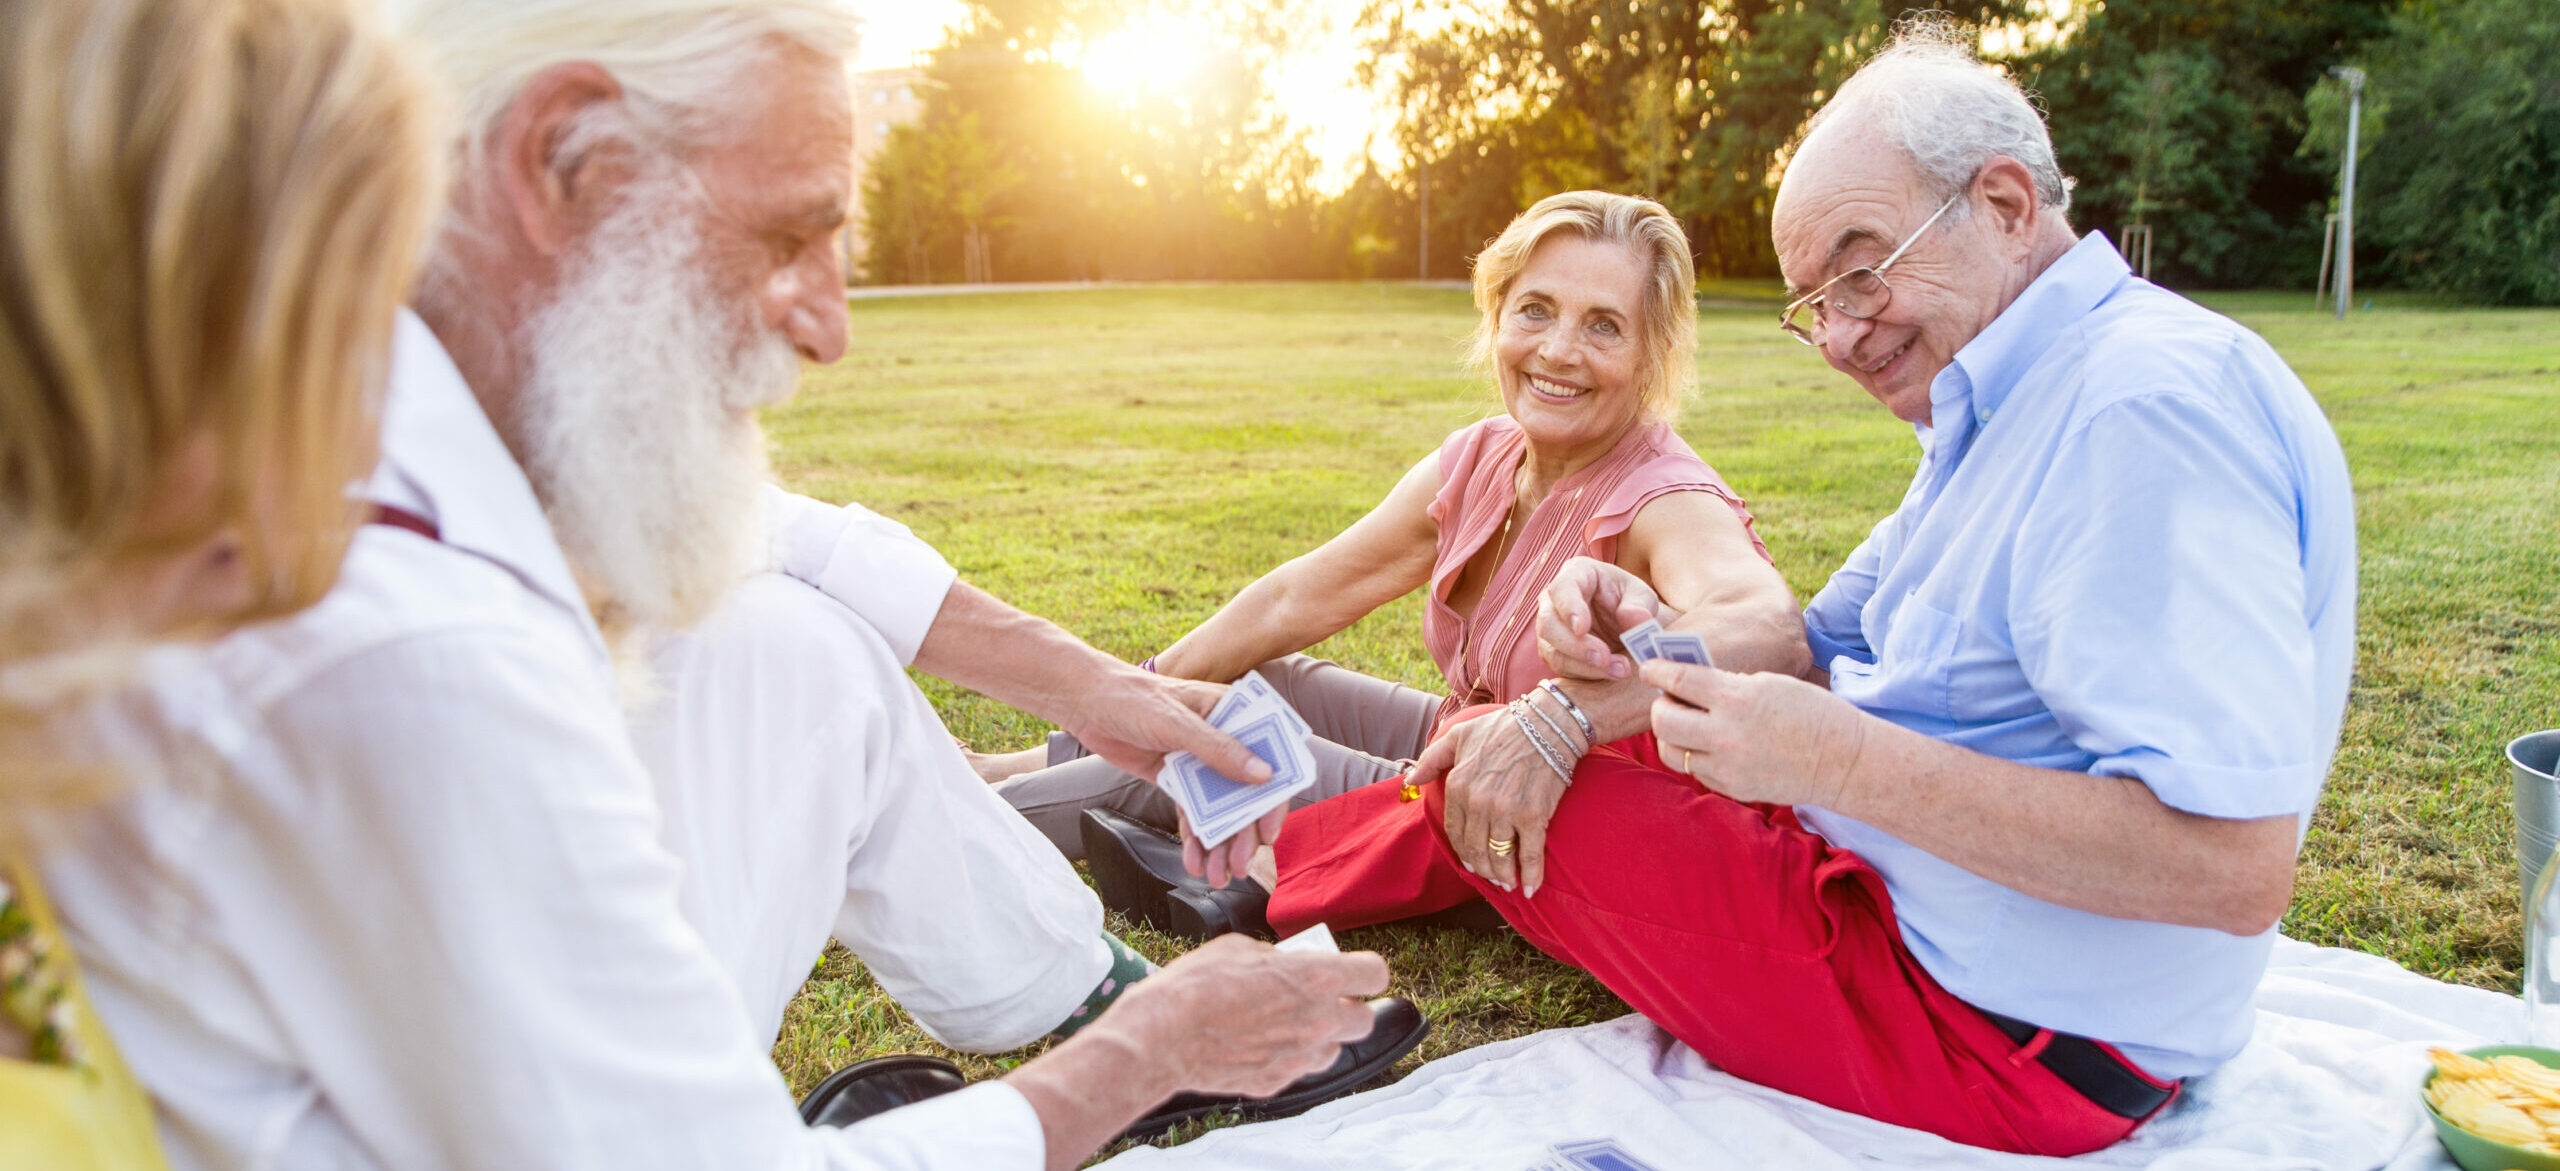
x=1381 y=557
x=1698 y=557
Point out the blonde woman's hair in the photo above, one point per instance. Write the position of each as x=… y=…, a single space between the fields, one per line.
x=1670 y=335
x=209 y=212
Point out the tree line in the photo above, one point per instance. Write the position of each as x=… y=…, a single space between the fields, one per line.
x=2216 y=123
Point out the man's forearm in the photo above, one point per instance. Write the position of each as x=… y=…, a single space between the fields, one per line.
x=986 y=645
x=1088 y=1089
x=2106 y=845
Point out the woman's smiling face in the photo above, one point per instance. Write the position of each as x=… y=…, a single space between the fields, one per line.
x=1569 y=350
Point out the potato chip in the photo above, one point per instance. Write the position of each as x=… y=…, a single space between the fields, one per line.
x=2508 y=1099
x=2460 y=1065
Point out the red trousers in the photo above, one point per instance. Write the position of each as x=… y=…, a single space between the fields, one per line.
x=1733 y=927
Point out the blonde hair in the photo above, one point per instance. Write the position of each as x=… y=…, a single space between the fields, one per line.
x=209 y=212
x=1670 y=336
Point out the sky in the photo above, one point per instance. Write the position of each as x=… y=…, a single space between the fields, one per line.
x=1315 y=85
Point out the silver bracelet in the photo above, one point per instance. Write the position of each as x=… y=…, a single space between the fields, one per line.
x=1563 y=738
x=1539 y=742
x=1590 y=736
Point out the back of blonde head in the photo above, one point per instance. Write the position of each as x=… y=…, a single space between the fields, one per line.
x=209 y=212
x=1670 y=305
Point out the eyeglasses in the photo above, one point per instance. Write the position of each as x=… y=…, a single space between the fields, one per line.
x=1859 y=292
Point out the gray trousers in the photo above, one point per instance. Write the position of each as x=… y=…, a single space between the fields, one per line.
x=1366 y=730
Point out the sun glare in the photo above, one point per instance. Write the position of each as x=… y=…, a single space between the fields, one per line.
x=1156 y=57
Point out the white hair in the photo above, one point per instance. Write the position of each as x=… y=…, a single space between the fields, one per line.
x=676 y=60
x=1933 y=99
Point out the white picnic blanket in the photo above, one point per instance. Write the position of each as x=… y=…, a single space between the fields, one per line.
x=2328 y=1082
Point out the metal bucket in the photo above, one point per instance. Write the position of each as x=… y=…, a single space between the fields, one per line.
x=2535 y=759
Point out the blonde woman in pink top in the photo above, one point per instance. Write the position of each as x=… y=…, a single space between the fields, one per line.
x=1589 y=331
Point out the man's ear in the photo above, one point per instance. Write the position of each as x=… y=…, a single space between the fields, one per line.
x=2009 y=195
x=549 y=186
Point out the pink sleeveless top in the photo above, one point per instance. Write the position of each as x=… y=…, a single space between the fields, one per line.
x=1493 y=658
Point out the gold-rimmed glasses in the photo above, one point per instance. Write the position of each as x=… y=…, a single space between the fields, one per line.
x=1859 y=292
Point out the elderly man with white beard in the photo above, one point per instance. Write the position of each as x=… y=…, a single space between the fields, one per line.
x=402 y=884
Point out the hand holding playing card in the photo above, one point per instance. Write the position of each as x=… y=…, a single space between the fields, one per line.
x=1216 y=808
x=1647 y=641
x=1588 y=600
x=1760 y=737
x=1135 y=720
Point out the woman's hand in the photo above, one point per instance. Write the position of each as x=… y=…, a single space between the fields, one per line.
x=1759 y=737
x=1588 y=599
x=1498 y=789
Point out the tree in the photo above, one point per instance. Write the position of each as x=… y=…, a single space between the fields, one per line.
x=1691 y=102
x=930 y=187
x=2185 y=114
x=2461 y=182
x=1021 y=165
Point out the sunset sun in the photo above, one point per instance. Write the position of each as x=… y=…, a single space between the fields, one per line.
x=1156 y=57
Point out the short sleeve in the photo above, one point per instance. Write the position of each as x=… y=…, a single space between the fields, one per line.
x=1458 y=455
x=874 y=566
x=2160 y=609
x=1665 y=473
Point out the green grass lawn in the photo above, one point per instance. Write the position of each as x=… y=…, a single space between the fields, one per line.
x=1123 y=460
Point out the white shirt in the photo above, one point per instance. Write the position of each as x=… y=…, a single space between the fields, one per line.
x=399 y=899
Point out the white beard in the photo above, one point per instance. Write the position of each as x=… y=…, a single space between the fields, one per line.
x=634 y=419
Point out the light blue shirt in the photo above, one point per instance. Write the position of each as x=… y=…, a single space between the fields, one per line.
x=2129 y=551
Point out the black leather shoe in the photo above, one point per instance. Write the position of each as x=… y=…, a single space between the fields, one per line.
x=1397 y=1026
x=877 y=1086
x=1138 y=869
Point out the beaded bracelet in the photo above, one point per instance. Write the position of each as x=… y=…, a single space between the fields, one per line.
x=1590 y=736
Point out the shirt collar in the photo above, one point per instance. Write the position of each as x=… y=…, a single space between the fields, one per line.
x=2057 y=299
x=443 y=460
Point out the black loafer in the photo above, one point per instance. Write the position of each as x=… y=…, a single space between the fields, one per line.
x=1138 y=869
x=877 y=1086
x=1397 y=1026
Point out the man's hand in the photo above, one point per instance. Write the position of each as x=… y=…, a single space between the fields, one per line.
x=1589 y=599
x=1133 y=719
x=1498 y=787
x=1235 y=1016
x=1757 y=737
x=1146 y=716
x=1124 y=715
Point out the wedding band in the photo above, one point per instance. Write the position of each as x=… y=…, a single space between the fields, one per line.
x=1684 y=763
x=1501 y=847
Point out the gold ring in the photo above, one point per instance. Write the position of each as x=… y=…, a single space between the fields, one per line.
x=1684 y=763
x=1501 y=847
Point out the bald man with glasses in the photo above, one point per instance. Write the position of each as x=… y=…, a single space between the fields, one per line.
x=2020 y=842
x=2007 y=864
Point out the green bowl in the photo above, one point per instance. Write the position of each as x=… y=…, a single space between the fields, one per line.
x=2475 y=1153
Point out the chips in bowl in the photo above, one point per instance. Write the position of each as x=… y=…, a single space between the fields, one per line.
x=2497 y=1107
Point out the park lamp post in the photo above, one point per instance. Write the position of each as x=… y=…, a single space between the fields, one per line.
x=2347 y=187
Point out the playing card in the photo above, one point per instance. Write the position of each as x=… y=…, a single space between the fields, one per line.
x=1599 y=1155
x=1639 y=641
x=1254 y=690
x=1649 y=641
x=1316 y=938
x=1217 y=806
x=1680 y=646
